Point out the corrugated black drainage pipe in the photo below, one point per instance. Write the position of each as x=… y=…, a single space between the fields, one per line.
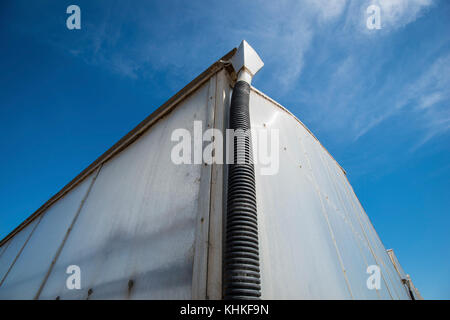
x=241 y=259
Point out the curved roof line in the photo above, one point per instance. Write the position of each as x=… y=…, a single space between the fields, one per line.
x=303 y=125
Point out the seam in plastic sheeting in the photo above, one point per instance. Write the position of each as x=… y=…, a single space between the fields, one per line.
x=333 y=199
x=371 y=229
x=61 y=246
x=3 y=249
x=210 y=193
x=214 y=271
x=20 y=251
x=200 y=264
x=316 y=188
x=372 y=251
x=340 y=198
x=355 y=233
x=378 y=260
x=388 y=260
x=387 y=269
x=129 y=138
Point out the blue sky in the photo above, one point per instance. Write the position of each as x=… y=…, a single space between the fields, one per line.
x=378 y=100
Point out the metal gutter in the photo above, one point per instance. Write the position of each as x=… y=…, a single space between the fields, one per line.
x=129 y=138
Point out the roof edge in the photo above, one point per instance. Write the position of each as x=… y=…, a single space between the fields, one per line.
x=298 y=120
x=128 y=139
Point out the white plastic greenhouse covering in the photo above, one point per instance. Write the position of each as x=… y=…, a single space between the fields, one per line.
x=141 y=227
x=316 y=240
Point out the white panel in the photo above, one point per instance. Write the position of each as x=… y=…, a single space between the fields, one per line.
x=134 y=237
x=316 y=242
x=3 y=247
x=350 y=246
x=352 y=214
x=214 y=273
x=355 y=212
x=14 y=247
x=298 y=256
x=392 y=279
x=29 y=270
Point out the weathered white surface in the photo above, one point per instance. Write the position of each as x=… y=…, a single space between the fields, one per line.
x=14 y=247
x=3 y=248
x=135 y=234
x=316 y=241
x=30 y=268
x=138 y=222
x=215 y=241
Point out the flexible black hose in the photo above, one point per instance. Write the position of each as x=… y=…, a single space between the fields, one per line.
x=241 y=259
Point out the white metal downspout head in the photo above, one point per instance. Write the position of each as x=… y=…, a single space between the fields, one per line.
x=246 y=62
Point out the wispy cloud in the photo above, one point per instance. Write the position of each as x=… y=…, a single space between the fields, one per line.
x=430 y=100
x=317 y=53
x=360 y=90
x=283 y=31
x=394 y=15
x=398 y=13
x=427 y=96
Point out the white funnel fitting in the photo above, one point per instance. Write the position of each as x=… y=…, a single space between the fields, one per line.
x=246 y=62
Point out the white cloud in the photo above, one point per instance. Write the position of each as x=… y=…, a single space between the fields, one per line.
x=287 y=29
x=430 y=100
x=398 y=13
x=428 y=97
x=327 y=9
x=394 y=15
x=284 y=33
x=435 y=127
